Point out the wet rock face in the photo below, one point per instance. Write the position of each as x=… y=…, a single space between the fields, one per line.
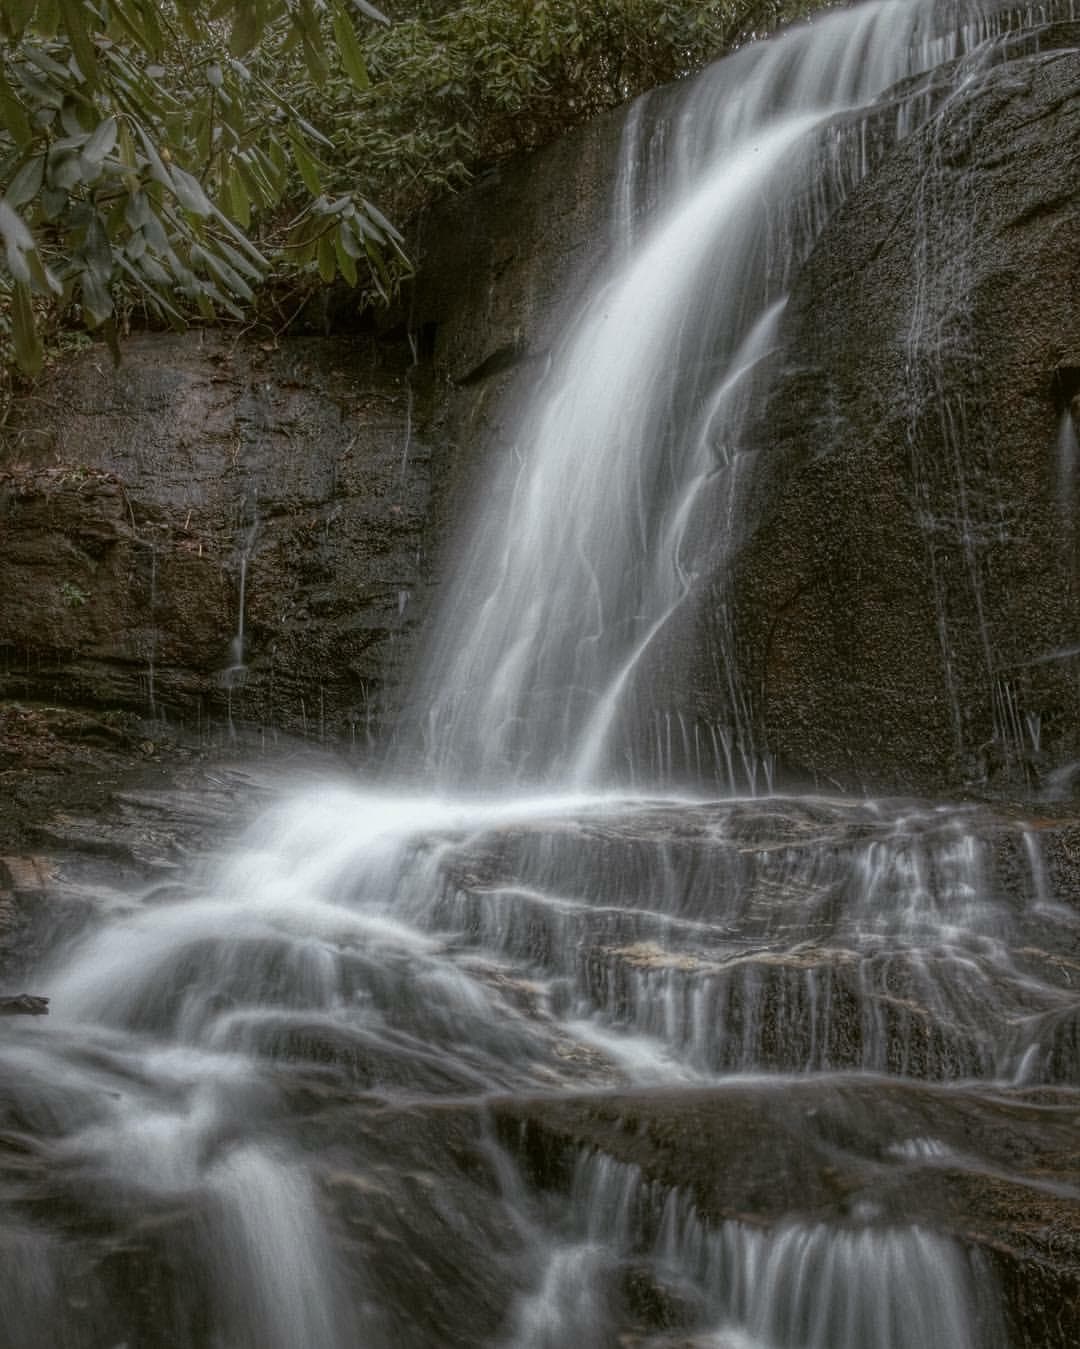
x=800 y=935
x=217 y=529
x=993 y=1171
x=908 y=603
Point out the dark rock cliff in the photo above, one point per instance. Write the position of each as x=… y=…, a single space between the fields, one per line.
x=220 y=531
x=908 y=602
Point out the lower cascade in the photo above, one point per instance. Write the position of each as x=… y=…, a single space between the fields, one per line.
x=601 y=1036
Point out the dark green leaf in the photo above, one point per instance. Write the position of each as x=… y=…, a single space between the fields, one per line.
x=26 y=183
x=73 y=14
x=158 y=171
x=102 y=142
x=224 y=273
x=24 y=335
x=98 y=250
x=309 y=170
x=352 y=57
x=64 y=170
x=13 y=115
x=189 y=192
x=242 y=264
x=156 y=298
x=245 y=30
x=18 y=241
x=53 y=201
x=349 y=241
x=315 y=62
x=327 y=259
x=239 y=201
x=345 y=260
x=17 y=14
x=95 y=299
x=48 y=18
x=42 y=279
x=153 y=270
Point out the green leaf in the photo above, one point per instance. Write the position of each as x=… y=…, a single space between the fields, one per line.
x=102 y=141
x=224 y=273
x=73 y=13
x=309 y=169
x=64 y=170
x=315 y=62
x=370 y=11
x=241 y=239
x=71 y=117
x=189 y=192
x=53 y=202
x=245 y=29
x=377 y=216
x=17 y=14
x=158 y=171
x=18 y=241
x=139 y=18
x=243 y=265
x=239 y=201
x=345 y=260
x=24 y=334
x=98 y=250
x=352 y=57
x=42 y=280
x=258 y=188
x=153 y=270
x=13 y=115
x=349 y=241
x=156 y=298
x=26 y=183
x=95 y=299
x=47 y=21
x=327 y=258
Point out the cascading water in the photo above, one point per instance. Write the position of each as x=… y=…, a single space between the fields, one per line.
x=623 y=480
x=374 y=1078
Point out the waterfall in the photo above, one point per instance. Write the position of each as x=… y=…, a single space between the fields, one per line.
x=363 y=1080
x=796 y=1287
x=621 y=493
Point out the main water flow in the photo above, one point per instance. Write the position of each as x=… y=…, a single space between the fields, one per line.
x=261 y=1114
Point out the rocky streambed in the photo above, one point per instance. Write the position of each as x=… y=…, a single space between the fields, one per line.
x=515 y=1072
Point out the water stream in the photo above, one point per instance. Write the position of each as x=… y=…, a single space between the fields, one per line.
x=346 y=1085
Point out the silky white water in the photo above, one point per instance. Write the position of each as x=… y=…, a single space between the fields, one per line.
x=620 y=494
x=260 y=1112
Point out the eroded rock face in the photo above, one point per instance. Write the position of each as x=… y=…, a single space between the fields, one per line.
x=217 y=530
x=908 y=602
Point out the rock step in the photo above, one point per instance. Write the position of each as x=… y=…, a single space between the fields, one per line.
x=995 y=1172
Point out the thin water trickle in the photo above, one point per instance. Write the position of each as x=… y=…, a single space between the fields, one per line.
x=234 y=672
x=270 y=1107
